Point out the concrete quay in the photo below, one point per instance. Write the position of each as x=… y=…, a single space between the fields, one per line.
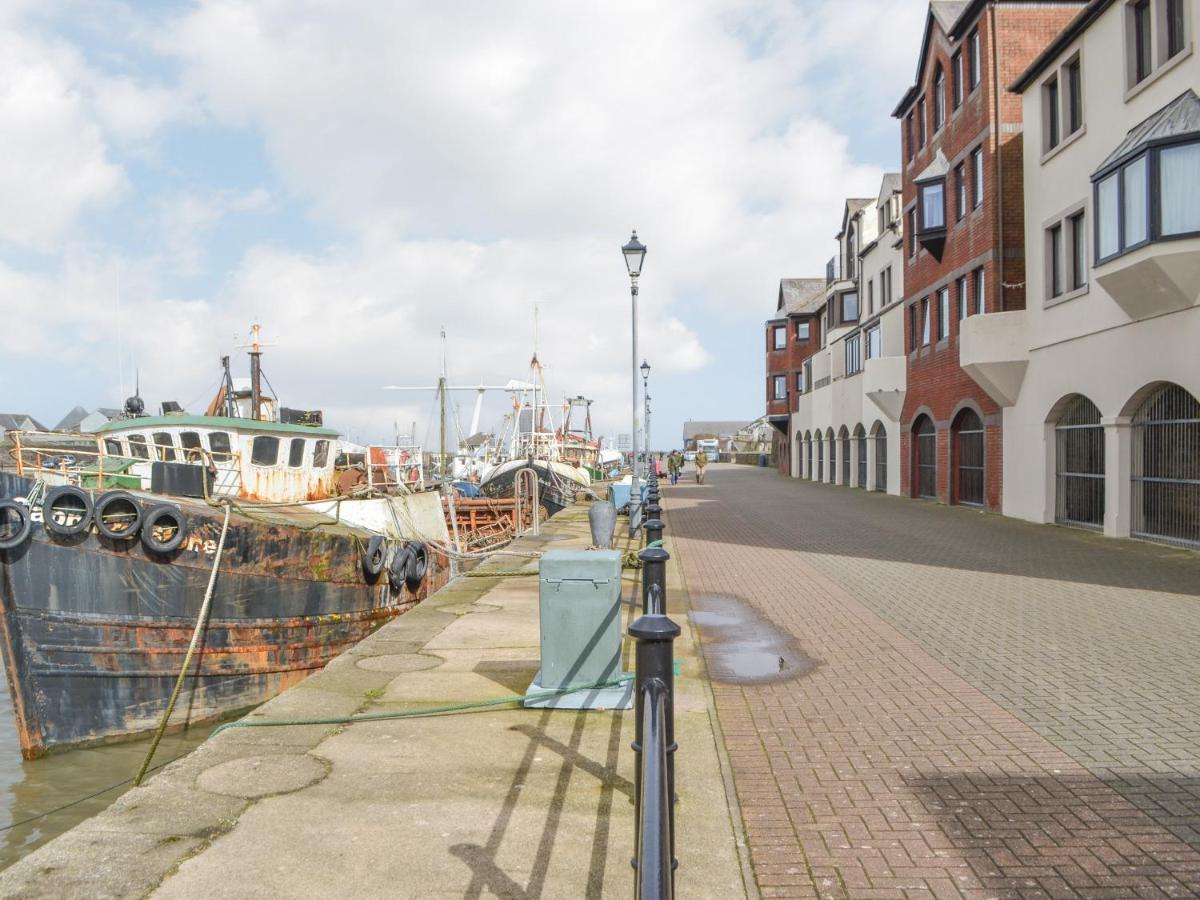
x=503 y=802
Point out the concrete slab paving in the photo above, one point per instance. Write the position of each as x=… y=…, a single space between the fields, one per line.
x=499 y=802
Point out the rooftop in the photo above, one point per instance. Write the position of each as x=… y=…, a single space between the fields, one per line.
x=800 y=295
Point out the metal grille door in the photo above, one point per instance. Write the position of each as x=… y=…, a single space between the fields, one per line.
x=1079 y=465
x=820 y=460
x=927 y=460
x=808 y=472
x=861 y=440
x=1166 y=468
x=881 y=460
x=969 y=435
x=845 y=457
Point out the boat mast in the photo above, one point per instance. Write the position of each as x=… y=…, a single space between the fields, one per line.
x=255 y=373
x=442 y=401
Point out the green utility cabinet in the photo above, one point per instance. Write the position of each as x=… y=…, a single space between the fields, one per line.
x=579 y=596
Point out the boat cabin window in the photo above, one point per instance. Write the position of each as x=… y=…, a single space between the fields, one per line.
x=265 y=451
x=164 y=446
x=320 y=454
x=137 y=446
x=296 y=453
x=218 y=442
x=190 y=442
x=112 y=447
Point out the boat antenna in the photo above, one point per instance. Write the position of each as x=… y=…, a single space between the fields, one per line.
x=255 y=372
x=442 y=405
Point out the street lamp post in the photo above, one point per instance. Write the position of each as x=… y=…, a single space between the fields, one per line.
x=646 y=409
x=634 y=253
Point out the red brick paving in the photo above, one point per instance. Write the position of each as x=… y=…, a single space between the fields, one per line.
x=882 y=773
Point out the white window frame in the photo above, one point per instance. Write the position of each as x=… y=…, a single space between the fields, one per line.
x=779 y=338
x=944 y=313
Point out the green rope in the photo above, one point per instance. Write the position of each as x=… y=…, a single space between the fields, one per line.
x=419 y=713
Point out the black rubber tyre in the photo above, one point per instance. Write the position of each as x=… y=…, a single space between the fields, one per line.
x=76 y=501
x=168 y=515
x=17 y=536
x=399 y=566
x=418 y=564
x=375 y=557
x=109 y=505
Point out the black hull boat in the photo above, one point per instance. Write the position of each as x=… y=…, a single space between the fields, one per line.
x=94 y=630
x=559 y=484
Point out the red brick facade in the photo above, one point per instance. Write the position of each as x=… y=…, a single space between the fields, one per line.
x=788 y=362
x=988 y=118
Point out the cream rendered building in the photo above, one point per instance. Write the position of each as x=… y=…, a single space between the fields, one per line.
x=844 y=429
x=1099 y=375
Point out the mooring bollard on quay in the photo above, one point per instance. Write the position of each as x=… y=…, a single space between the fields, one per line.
x=654 y=745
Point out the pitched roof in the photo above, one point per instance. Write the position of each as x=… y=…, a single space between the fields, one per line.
x=893 y=183
x=1180 y=116
x=938 y=167
x=19 y=421
x=693 y=427
x=947 y=12
x=71 y=420
x=800 y=295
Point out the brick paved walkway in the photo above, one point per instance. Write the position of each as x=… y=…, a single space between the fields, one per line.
x=1000 y=710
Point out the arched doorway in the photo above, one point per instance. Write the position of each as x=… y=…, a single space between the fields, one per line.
x=799 y=454
x=832 y=445
x=808 y=455
x=967 y=436
x=1166 y=467
x=844 y=450
x=925 y=458
x=879 y=434
x=1079 y=464
x=820 y=456
x=860 y=442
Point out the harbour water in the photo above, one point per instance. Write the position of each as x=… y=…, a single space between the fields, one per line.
x=30 y=788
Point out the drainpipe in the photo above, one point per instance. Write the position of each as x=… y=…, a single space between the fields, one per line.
x=998 y=179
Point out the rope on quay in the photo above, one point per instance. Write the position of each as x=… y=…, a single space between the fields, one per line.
x=201 y=622
x=424 y=713
x=111 y=787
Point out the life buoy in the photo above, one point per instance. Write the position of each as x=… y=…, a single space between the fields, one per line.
x=67 y=510
x=164 y=517
x=398 y=567
x=418 y=563
x=13 y=535
x=375 y=557
x=118 y=516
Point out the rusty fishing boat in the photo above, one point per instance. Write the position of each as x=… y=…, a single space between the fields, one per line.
x=107 y=549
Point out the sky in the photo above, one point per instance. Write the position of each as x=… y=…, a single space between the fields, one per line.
x=357 y=177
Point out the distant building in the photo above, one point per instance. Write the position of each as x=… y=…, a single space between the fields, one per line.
x=723 y=432
x=20 y=422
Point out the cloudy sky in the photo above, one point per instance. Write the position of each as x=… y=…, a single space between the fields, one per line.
x=356 y=176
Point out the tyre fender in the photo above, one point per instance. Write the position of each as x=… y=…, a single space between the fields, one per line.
x=20 y=534
x=398 y=567
x=418 y=564
x=118 y=515
x=164 y=515
x=374 y=558
x=69 y=499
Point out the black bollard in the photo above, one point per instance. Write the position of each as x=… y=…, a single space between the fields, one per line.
x=654 y=530
x=654 y=580
x=654 y=677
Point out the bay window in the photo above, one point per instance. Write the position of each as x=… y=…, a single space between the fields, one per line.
x=933 y=205
x=1152 y=196
x=874 y=342
x=780 y=387
x=854 y=354
x=850 y=306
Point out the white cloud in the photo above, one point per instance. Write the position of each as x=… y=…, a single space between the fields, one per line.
x=54 y=163
x=473 y=159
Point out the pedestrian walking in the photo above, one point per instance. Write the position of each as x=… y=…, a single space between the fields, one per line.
x=701 y=463
x=673 y=467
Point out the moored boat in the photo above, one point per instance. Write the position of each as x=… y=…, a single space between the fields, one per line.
x=106 y=554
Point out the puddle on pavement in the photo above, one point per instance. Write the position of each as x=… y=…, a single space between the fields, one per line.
x=741 y=646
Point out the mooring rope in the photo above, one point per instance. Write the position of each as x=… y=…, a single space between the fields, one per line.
x=201 y=622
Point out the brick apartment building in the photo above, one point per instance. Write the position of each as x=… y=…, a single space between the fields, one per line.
x=961 y=145
x=792 y=336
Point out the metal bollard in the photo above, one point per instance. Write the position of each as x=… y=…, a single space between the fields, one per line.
x=654 y=529
x=654 y=580
x=654 y=680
